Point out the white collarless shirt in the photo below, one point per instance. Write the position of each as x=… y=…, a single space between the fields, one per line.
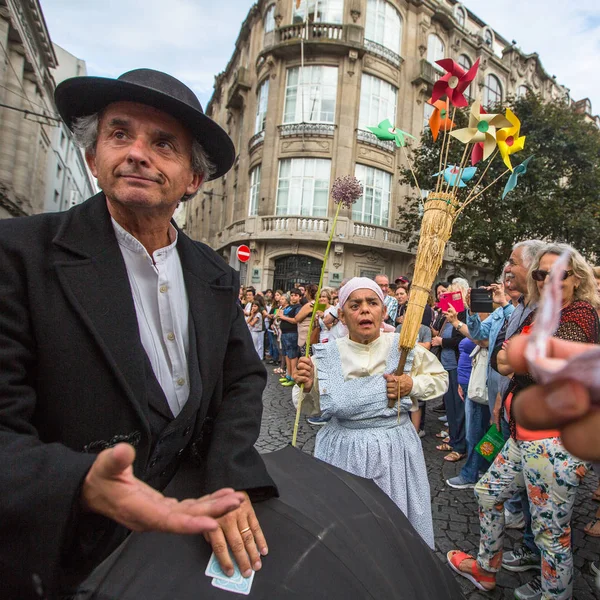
x=162 y=310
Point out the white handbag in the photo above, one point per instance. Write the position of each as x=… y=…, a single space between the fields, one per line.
x=477 y=390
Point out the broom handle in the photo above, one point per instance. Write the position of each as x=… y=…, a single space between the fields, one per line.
x=399 y=371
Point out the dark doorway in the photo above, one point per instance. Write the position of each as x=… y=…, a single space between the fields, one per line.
x=296 y=268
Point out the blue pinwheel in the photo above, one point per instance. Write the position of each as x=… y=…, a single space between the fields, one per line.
x=386 y=131
x=511 y=184
x=451 y=175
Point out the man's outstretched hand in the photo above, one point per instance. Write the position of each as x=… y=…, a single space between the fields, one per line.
x=564 y=405
x=111 y=489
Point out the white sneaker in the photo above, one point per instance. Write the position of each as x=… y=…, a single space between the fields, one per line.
x=514 y=520
x=443 y=418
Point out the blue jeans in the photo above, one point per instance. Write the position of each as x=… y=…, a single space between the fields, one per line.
x=273 y=349
x=477 y=419
x=455 y=410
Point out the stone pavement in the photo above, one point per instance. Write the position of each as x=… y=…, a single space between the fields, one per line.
x=454 y=511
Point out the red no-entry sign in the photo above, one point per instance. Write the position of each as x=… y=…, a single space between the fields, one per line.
x=243 y=253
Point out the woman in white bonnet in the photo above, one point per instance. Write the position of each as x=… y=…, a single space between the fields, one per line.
x=350 y=380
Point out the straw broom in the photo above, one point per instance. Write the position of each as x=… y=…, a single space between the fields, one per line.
x=436 y=229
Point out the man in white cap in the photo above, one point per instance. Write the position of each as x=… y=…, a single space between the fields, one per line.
x=350 y=380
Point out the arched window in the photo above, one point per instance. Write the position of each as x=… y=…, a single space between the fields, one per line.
x=461 y=16
x=383 y=25
x=492 y=91
x=318 y=11
x=377 y=101
x=465 y=62
x=270 y=19
x=488 y=37
x=435 y=50
x=522 y=91
x=262 y=98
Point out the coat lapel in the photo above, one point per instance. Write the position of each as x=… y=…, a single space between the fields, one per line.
x=94 y=278
x=208 y=305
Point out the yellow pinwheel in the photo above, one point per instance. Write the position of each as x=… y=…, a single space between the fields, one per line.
x=508 y=139
x=482 y=128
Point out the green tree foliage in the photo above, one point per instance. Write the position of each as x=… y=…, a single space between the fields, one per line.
x=558 y=199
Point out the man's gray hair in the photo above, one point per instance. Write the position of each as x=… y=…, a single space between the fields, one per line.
x=530 y=249
x=85 y=132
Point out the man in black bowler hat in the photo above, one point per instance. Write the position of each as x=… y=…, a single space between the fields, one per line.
x=123 y=351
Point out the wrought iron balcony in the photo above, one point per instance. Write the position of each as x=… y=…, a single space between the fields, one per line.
x=311 y=129
x=383 y=52
x=366 y=137
x=256 y=140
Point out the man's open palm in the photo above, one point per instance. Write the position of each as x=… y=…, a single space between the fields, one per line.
x=111 y=489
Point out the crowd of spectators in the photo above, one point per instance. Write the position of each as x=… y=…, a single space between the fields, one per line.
x=532 y=482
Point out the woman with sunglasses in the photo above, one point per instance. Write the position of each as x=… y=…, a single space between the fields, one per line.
x=536 y=460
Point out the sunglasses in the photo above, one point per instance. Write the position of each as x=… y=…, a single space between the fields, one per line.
x=540 y=274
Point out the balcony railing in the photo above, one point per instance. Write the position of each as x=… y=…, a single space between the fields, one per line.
x=313 y=129
x=256 y=140
x=383 y=52
x=378 y=233
x=370 y=138
x=311 y=31
x=305 y=224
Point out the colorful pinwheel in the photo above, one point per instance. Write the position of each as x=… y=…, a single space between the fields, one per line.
x=439 y=119
x=386 y=131
x=454 y=177
x=454 y=83
x=508 y=139
x=482 y=128
x=511 y=184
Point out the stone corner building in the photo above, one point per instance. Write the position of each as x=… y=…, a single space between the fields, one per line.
x=40 y=167
x=305 y=79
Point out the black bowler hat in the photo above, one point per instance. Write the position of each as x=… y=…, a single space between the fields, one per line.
x=82 y=96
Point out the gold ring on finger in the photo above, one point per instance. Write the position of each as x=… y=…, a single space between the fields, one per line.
x=244 y=530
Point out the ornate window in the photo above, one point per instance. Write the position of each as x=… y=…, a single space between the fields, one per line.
x=318 y=11
x=303 y=187
x=377 y=101
x=436 y=50
x=383 y=25
x=374 y=205
x=465 y=62
x=488 y=37
x=461 y=16
x=269 y=23
x=254 y=191
x=492 y=91
x=310 y=95
x=522 y=91
x=262 y=99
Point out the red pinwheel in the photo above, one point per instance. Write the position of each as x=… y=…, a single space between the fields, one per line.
x=454 y=83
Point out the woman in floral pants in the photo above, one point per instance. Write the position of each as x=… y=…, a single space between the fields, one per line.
x=537 y=461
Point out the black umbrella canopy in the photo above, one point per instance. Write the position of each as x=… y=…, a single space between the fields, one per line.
x=330 y=534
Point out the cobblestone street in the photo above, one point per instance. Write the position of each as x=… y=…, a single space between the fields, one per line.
x=454 y=511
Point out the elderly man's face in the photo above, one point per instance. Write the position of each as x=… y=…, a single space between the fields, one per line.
x=384 y=283
x=518 y=270
x=143 y=158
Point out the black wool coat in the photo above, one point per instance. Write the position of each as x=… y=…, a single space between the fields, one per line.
x=72 y=382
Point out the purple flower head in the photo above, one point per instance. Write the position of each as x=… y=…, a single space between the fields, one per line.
x=346 y=190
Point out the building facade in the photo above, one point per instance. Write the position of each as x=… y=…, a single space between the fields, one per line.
x=305 y=80
x=68 y=180
x=30 y=129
